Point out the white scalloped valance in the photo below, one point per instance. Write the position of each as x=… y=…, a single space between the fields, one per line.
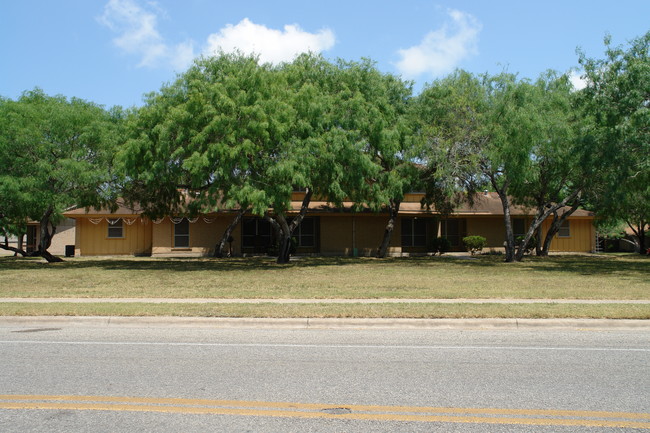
x=131 y=221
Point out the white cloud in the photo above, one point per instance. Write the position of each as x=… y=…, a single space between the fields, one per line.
x=138 y=34
x=577 y=81
x=441 y=51
x=273 y=46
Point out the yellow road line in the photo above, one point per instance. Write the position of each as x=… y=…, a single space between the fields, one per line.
x=312 y=410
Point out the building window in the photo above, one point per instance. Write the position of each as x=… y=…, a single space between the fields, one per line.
x=452 y=230
x=115 y=229
x=305 y=233
x=519 y=227
x=182 y=234
x=414 y=232
x=565 y=230
x=256 y=233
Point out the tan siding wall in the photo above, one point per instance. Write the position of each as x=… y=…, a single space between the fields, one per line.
x=92 y=239
x=491 y=228
x=65 y=235
x=337 y=234
x=582 y=237
x=203 y=237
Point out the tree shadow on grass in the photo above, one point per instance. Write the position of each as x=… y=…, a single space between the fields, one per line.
x=260 y=263
x=576 y=264
x=591 y=265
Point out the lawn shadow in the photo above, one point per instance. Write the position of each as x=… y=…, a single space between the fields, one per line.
x=576 y=264
x=257 y=263
x=633 y=264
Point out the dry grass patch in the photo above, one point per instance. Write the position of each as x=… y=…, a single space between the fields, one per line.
x=324 y=310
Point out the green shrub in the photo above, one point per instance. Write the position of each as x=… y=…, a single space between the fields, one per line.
x=474 y=243
x=439 y=245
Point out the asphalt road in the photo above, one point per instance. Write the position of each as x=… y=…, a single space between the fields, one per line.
x=129 y=378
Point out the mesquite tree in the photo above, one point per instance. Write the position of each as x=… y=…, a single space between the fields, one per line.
x=55 y=153
x=617 y=102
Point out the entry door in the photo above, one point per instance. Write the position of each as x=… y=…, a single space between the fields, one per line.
x=31 y=239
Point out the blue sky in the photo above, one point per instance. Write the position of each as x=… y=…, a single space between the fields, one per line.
x=113 y=52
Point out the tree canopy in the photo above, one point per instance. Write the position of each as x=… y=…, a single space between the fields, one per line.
x=235 y=134
x=55 y=153
x=616 y=102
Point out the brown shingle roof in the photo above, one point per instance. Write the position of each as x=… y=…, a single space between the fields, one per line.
x=487 y=204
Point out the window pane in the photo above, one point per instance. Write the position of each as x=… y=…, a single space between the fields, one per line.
x=307 y=226
x=115 y=229
x=182 y=234
x=263 y=227
x=450 y=229
x=419 y=227
x=249 y=227
x=420 y=241
x=306 y=241
x=181 y=241
x=519 y=227
x=407 y=228
x=248 y=241
x=565 y=230
x=182 y=228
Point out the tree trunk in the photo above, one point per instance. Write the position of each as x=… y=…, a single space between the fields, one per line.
x=284 y=246
x=550 y=234
x=16 y=251
x=639 y=231
x=505 y=204
x=218 y=249
x=555 y=227
x=543 y=212
x=393 y=210
x=644 y=247
x=539 y=246
x=47 y=232
x=20 y=245
x=510 y=236
x=286 y=230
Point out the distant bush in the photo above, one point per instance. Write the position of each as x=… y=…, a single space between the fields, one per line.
x=474 y=243
x=439 y=245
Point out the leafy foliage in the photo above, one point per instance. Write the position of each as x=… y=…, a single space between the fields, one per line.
x=55 y=153
x=474 y=244
x=617 y=102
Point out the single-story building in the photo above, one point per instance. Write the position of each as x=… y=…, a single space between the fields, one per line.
x=325 y=230
x=64 y=239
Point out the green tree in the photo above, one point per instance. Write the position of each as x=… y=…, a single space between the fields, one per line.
x=617 y=102
x=514 y=135
x=208 y=141
x=374 y=108
x=559 y=166
x=233 y=133
x=55 y=153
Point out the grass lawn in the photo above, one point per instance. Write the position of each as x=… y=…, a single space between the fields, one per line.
x=555 y=277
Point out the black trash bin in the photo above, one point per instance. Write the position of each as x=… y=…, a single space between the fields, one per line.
x=69 y=250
